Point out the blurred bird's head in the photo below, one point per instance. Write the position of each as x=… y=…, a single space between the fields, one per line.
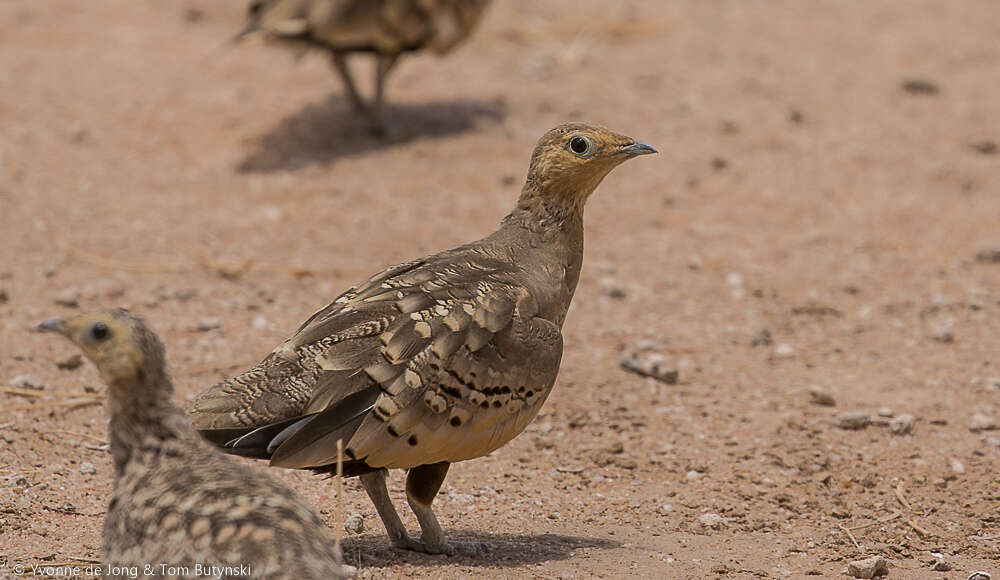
x=570 y=161
x=282 y=18
x=118 y=343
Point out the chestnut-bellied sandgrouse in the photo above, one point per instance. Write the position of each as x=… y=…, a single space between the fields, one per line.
x=385 y=28
x=436 y=360
x=179 y=506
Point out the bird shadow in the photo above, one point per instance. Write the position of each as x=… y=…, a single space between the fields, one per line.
x=503 y=550
x=323 y=132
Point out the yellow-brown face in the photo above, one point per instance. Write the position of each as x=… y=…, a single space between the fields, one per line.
x=572 y=159
x=114 y=340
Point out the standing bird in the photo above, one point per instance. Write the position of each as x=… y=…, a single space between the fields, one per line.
x=385 y=28
x=437 y=360
x=177 y=501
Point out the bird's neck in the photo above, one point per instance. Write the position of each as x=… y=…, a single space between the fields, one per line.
x=543 y=212
x=552 y=229
x=141 y=418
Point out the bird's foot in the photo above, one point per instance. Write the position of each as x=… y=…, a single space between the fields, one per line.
x=475 y=549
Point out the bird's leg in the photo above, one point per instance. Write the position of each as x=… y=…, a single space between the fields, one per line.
x=383 y=64
x=374 y=484
x=339 y=60
x=422 y=485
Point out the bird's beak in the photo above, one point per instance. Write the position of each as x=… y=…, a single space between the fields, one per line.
x=57 y=325
x=638 y=148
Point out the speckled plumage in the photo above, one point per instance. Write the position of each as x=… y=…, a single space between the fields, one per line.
x=385 y=28
x=176 y=499
x=432 y=361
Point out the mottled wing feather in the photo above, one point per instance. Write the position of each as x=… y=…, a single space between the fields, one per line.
x=447 y=351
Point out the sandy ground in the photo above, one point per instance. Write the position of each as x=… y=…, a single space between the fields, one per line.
x=828 y=173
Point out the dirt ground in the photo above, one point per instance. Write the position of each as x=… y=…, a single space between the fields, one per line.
x=817 y=225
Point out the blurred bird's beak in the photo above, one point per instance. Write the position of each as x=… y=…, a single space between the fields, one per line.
x=57 y=325
x=638 y=148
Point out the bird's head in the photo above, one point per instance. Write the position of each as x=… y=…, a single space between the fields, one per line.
x=118 y=343
x=277 y=17
x=571 y=160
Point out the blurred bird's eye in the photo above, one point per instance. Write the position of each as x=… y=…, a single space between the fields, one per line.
x=99 y=331
x=581 y=145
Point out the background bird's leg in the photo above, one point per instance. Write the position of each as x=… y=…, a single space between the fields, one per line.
x=383 y=64
x=422 y=485
x=339 y=60
x=374 y=484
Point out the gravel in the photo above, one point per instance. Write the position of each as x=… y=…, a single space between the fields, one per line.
x=206 y=324
x=711 y=521
x=902 y=425
x=650 y=364
x=819 y=396
x=27 y=382
x=990 y=255
x=784 y=350
x=868 y=568
x=69 y=298
x=354 y=524
x=982 y=422
x=852 y=420
x=68 y=364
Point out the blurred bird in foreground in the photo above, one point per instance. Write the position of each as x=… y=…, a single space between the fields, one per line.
x=176 y=500
x=437 y=360
x=385 y=28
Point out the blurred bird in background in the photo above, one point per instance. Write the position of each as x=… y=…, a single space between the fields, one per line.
x=385 y=28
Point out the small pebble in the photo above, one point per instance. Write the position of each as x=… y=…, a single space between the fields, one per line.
x=852 y=420
x=87 y=468
x=71 y=363
x=884 y=412
x=206 y=324
x=819 y=396
x=692 y=475
x=868 y=568
x=982 y=422
x=939 y=483
x=259 y=323
x=762 y=337
x=15 y=480
x=985 y=147
x=69 y=298
x=611 y=288
x=918 y=86
x=27 y=382
x=666 y=508
x=902 y=425
x=991 y=254
x=956 y=466
x=650 y=364
x=354 y=524
x=3 y=296
x=784 y=350
x=711 y=521
x=979 y=576
x=941 y=565
x=943 y=336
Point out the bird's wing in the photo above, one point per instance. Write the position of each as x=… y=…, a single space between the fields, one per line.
x=449 y=340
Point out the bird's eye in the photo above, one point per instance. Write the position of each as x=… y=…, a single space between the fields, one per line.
x=99 y=331
x=580 y=145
